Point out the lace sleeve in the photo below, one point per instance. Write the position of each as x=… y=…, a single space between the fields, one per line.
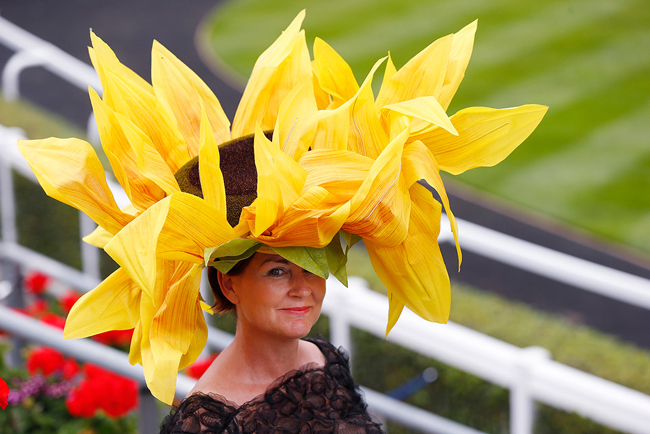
x=199 y=413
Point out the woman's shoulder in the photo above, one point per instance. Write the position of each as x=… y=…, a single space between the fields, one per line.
x=332 y=354
x=199 y=413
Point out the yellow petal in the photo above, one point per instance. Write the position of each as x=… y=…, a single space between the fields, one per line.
x=414 y=271
x=423 y=75
x=308 y=222
x=389 y=71
x=179 y=227
x=69 y=171
x=133 y=248
x=181 y=91
x=280 y=180
x=293 y=132
x=459 y=55
x=395 y=308
x=207 y=308
x=151 y=163
x=354 y=125
x=212 y=186
x=104 y=59
x=334 y=74
x=140 y=351
x=486 y=136
x=323 y=98
x=135 y=352
x=339 y=172
x=191 y=225
x=281 y=67
x=150 y=116
x=141 y=191
x=98 y=238
x=178 y=322
x=418 y=164
x=380 y=207
x=113 y=305
x=426 y=108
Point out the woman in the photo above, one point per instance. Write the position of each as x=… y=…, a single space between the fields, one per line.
x=312 y=163
x=268 y=379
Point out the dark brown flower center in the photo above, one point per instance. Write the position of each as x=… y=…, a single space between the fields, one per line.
x=237 y=162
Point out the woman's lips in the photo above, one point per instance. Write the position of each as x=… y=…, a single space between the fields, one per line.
x=297 y=310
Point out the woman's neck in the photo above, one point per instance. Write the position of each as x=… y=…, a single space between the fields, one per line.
x=252 y=362
x=264 y=358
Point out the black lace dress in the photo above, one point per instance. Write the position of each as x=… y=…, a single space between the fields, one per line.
x=309 y=400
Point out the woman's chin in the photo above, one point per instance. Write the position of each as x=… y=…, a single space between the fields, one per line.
x=297 y=329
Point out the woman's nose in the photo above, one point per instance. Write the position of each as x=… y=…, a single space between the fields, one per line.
x=300 y=286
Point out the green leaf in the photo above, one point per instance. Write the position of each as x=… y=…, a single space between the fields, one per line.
x=350 y=239
x=337 y=260
x=227 y=255
x=311 y=259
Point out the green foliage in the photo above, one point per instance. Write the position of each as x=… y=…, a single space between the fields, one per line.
x=46 y=225
x=50 y=227
x=35 y=121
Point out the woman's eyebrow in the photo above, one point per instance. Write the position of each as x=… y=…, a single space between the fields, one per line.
x=278 y=258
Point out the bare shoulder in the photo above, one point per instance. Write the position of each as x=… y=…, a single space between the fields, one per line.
x=312 y=353
x=213 y=381
x=234 y=382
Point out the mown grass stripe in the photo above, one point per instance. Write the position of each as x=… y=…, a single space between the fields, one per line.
x=551 y=57
x=498 y=45
x=602 y=157
x=579 y=76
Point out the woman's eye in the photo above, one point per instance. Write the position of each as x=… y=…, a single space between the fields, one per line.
x=277 y=272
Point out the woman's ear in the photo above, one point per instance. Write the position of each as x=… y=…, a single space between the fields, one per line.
x=227 y=287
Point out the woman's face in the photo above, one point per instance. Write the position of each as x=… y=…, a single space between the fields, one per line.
x=274 y=296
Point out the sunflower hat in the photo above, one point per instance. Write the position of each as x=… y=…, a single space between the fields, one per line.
x=312 y=163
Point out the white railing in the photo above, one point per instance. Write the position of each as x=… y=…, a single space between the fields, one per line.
x=32 y=51
x=88 y=351
x=546 y=262
x=528 y=373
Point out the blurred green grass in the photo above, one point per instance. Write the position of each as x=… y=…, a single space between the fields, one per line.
x=588 y=163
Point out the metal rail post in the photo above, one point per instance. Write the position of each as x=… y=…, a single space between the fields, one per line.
x=339 y=324
x=89 y=254
x=522 y=404
x=148 y=418
x=10 y=270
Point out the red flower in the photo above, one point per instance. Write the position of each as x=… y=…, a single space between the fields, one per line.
x=70 y=369
x=36 y=282
x=102 y=390
x=53 y=320
x=36 y=307
x=115 y=337
x=45 y=360
x=68 y=300
x=4 y=393
x=199 y=367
